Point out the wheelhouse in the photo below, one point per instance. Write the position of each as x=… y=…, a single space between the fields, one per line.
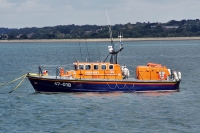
x=94 y=70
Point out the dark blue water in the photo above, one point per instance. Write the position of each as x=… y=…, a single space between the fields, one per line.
x=23 y=110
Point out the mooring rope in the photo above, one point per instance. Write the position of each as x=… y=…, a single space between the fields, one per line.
x=13 y=80
x=24 y=76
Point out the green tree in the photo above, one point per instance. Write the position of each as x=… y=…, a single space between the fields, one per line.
x=23 y=37
x=11 y=37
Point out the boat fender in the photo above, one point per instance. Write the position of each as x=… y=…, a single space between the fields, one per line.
x=175 y=75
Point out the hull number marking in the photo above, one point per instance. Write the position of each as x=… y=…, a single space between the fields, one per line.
x=62 y=84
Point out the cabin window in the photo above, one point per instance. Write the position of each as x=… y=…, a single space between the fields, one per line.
x=96 y=67
x=87 y=67
x=103 y=67
x=111 y=67
x=81 y=67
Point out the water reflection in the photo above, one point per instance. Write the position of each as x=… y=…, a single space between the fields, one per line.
x=94 y=94
x=157 y=94
x=108 y=94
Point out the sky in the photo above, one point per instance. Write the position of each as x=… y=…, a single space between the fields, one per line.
x=42 y=13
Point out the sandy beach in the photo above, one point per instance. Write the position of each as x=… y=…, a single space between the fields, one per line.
x=105 y=40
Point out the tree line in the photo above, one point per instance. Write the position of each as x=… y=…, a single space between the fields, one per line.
x=173 y=28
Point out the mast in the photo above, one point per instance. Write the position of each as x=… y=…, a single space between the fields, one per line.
x=111 y=49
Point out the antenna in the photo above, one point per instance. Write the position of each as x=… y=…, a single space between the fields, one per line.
x=98 y=52
x=88 y=52
x=109 y=27
x=80 y=51
x=111 y=49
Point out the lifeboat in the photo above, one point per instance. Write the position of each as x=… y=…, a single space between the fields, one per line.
x=107 y=76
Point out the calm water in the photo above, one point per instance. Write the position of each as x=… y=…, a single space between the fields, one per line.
x=26 y=111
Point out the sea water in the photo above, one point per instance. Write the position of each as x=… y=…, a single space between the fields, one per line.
x=23 y=110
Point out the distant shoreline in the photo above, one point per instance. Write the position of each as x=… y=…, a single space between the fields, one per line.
x=106 y=40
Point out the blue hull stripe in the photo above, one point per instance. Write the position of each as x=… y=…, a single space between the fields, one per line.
x=57 y=85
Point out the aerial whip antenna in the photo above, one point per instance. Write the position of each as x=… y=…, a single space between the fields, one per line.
x=88 y=52
x=109 y=27
x=98 y=52
x=80 y=51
